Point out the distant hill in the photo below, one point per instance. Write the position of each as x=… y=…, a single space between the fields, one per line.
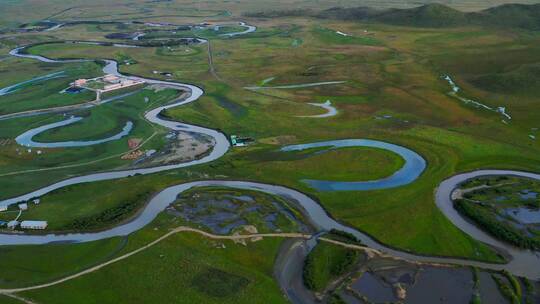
x=429 y=15
x=511 y=15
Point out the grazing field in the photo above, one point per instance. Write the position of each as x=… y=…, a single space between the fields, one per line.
x=390 y=94
x=29 y=265
x=187 y=263
x=461 y=93
x=16 y=12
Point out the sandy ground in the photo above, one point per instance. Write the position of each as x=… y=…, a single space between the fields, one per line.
x=181 y=147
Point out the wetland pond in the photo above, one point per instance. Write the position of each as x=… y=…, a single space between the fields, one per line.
x=224 y=210
x=503 y=203
x=386 y=280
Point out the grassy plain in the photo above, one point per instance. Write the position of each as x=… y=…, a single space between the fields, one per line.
x=16 y=12
x=35 y=264
x=397 y=78
x=392 y=78
x=184 y=268
x=98 y=122
x=46 y=93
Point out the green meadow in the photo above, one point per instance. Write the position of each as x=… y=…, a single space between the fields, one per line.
x=393 y=90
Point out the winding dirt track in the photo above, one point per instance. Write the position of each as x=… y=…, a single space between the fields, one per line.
x=165 y=236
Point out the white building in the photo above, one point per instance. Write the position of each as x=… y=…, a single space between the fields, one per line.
x=23 y=206
x=39 y=225
x=36 y=201
x=3 y=208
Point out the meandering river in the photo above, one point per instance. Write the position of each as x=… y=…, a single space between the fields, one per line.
x=26 y=139
x=523 y=263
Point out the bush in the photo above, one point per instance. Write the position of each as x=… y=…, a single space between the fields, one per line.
x=506 y=290
x=500 y=230
x=109 y=216
x=218 y=283
x=327 y=262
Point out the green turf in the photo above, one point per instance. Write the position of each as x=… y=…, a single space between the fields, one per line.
x=327 y=262
x=34 y=264
x=399 y=75
x=182 y=269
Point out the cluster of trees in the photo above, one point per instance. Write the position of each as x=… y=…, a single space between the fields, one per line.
x=340 y=264
x=498 y=229
x=109 y=216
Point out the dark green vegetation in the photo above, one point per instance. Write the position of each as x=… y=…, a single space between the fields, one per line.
x=9 y=300
x=508 y=288
x=486 y=220
x=506 y=207
x=109 y=217
x=385 y=80
x=43 y=94
x=98 y=122
x=218 y=283
x=428 y=15
x=393 y=92
x=35 y=264
x=476 y=297
x=98 y=211
x=327 y=262
x=184 y=268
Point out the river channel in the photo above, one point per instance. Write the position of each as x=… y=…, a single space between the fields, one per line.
x=522 y=262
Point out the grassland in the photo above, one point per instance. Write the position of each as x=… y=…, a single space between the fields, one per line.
x=391 y=78
x=98 y=122
x=184 y=268
x=17 y=12
x=327 y=262
x=29 y=265
x=46 y=93
x=389 y=71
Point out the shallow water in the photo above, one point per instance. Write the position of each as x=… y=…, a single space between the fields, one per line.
x=26 y=140
x=17 y=86
x=528 y=194
x=489 y=292
x=248 y=29
x=455 y=91
x=374 y=289
x=411 y=170
x=330 y=110
x=313 y=212
x=297 y=86
x=524 y=215
x=441 y=285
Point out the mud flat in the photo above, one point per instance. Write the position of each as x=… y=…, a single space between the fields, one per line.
x=180 y=147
